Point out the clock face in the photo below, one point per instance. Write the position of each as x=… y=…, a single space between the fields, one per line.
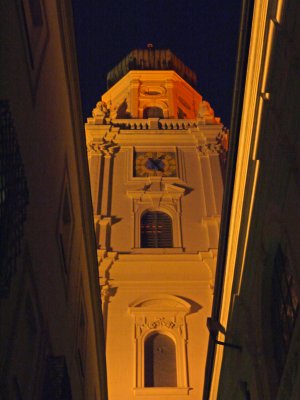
x=155 y=163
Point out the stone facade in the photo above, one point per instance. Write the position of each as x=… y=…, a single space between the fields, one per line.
x=154 y=145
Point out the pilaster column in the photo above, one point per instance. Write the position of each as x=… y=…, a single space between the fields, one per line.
x=134 y=98
x=104 y=152
x=106 y=187
x=170 y=96
x=95 y=168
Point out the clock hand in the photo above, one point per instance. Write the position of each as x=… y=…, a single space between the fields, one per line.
x=150 y=164
x=159 y=165
x=155 y=164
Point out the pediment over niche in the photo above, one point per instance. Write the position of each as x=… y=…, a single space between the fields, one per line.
x=160 y=302
x=156 y=192
x=160 y=196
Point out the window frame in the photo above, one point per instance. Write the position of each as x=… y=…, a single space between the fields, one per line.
x=156 y=237
x=13 y=200
x=164 y=314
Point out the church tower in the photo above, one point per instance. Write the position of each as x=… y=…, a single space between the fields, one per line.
x=155 y=153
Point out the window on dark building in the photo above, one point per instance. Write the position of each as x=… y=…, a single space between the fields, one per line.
x=160 y=361
x=156 y=230
x=65 y=227
x=285 y=305
x=36 y=12
x=57 y=382
x=81 y=340
x=17 y=389
x=13 y=198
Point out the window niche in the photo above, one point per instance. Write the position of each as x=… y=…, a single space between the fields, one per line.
x=65 y=225
x=156 y=230
x=29 y=340
x=34 y=25
x=153 y=112
x=56 y=381
x=154 y=208
x=82 y=335
x=284 y=307
x=160 y=339
x=160 y=361
x=13 y=199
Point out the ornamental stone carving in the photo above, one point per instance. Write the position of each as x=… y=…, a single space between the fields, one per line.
x=205 y=111
x=210 y=148
x=105 y=293
x=105 y=148
x=170 y=322
x=223 y=139
x=165 y=314
x=100 y=112
x=159 y=323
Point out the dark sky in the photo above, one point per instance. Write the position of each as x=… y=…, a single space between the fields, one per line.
x=202 y=33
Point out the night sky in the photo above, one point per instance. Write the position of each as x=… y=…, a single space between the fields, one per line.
x=202 y=33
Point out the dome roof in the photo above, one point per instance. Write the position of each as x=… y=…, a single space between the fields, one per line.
x=150 y=59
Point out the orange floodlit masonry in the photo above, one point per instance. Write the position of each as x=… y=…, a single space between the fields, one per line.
x=154 y=147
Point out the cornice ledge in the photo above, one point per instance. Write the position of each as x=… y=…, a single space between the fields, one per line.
x=169 y=190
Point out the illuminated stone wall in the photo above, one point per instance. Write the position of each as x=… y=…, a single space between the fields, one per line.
x=154 y=145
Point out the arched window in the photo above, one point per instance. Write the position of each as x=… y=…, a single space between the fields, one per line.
x=153 y=112
x=156 y=230
x=160 y=361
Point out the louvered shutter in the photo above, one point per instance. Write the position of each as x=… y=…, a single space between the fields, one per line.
x=156 y=230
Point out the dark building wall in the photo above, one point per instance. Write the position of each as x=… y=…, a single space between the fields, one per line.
x=263 y=315
x=50 y=314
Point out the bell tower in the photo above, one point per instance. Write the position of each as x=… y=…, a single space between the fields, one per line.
x=155 y=150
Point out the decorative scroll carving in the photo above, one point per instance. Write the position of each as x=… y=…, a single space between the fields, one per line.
x=220 y=146
x=171 y=323
x=223 y=138
x=206 y=114
x=205 y=110
x=210 y=148
x=100 y=112
x=159 y=323
x=105 y=148
x=105 y=293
